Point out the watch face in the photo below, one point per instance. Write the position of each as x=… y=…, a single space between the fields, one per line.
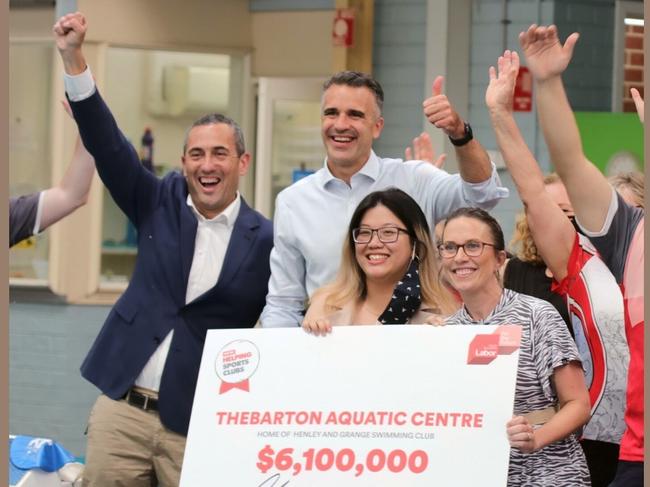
x=623 y=161
x=467 y=136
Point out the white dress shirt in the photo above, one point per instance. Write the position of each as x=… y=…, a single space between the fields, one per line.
x=210 y=245
x=312 y=216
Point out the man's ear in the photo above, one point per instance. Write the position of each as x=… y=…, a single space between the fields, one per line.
x=183 y=166
x=378 y=127
x=244 y=163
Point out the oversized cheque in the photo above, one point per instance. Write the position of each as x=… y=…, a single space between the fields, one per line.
x=364 y=406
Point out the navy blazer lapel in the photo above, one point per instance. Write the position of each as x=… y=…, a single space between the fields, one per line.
x=241 y=241
x=189 y=224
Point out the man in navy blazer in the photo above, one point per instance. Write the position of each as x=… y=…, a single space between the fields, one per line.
x=203 y=263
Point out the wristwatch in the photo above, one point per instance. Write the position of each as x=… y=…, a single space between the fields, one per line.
x=465 y=138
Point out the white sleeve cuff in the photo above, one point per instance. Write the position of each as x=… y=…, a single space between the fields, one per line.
x=79 y=86
x=613 y=208
x=488 y=190
x=39 y=213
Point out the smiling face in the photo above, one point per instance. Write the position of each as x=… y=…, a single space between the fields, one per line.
x=379 y=261
x=212 y=167
x=471 y=275
x=350 y=121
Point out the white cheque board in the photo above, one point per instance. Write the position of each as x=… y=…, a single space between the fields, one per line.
x=363 y=406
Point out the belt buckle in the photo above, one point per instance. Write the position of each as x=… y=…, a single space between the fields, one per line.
x=146 y=402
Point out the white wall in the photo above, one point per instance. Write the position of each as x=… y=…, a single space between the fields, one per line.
x=292 y=43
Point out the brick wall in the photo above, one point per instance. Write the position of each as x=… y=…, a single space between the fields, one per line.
x=633 y=62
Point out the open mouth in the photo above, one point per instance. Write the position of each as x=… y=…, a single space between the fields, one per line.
x=377 y=258
x=464 y=271
x=209 y=182
x=342 y=139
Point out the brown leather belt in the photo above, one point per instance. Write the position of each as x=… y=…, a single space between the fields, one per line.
x=141 y=401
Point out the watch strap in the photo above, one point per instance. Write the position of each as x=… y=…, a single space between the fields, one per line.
x=465 y=138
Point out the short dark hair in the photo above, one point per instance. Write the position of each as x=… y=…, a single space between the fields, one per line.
x=215 y=119
x=482 y=216
x=357 y=79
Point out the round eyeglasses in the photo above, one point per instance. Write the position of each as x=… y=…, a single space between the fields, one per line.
x=472 y=248
x=384 y=234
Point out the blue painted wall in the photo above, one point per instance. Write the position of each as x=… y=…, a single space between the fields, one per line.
x=398 y=63
x=47 y=395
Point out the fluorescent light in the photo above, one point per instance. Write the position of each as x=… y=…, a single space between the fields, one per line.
x=631 y=21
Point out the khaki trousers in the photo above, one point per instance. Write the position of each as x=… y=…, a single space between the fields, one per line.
x=129 y=447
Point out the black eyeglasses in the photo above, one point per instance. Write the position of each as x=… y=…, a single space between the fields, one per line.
x=472 y=248
x=384 y=234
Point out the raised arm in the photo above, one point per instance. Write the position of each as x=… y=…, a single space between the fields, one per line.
x=134 y=189
x=69 y=33
x=72 y=191
x=587 y=187
x=473 y=162
x=552 y=231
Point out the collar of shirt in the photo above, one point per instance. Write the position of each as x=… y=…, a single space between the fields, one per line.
x=370 y=169
x=226 y=217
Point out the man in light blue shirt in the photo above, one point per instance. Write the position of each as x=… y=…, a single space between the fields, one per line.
x=312 y=215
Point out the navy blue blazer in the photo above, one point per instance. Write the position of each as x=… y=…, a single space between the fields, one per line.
x=154 y=302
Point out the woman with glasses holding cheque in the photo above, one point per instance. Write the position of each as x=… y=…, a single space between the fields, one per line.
x=545 y=450
x=388 y=272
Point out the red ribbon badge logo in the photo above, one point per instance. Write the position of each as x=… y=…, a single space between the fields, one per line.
x=484 y=348
x=236 y=363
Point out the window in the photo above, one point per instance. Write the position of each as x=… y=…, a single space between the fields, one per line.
x=89 y=257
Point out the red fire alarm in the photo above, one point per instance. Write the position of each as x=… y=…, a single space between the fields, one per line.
x=523 y=99
x=343 y=27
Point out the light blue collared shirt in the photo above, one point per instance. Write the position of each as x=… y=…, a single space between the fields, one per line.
x=312 y=216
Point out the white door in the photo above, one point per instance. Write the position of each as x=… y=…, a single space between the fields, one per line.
x=288 y=145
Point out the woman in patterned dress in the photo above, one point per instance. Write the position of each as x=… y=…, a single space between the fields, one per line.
x=545 y=452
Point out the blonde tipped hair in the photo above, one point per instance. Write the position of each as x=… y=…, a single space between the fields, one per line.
x=350 y=282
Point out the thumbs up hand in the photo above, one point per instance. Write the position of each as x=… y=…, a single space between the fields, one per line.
x=440 y=112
